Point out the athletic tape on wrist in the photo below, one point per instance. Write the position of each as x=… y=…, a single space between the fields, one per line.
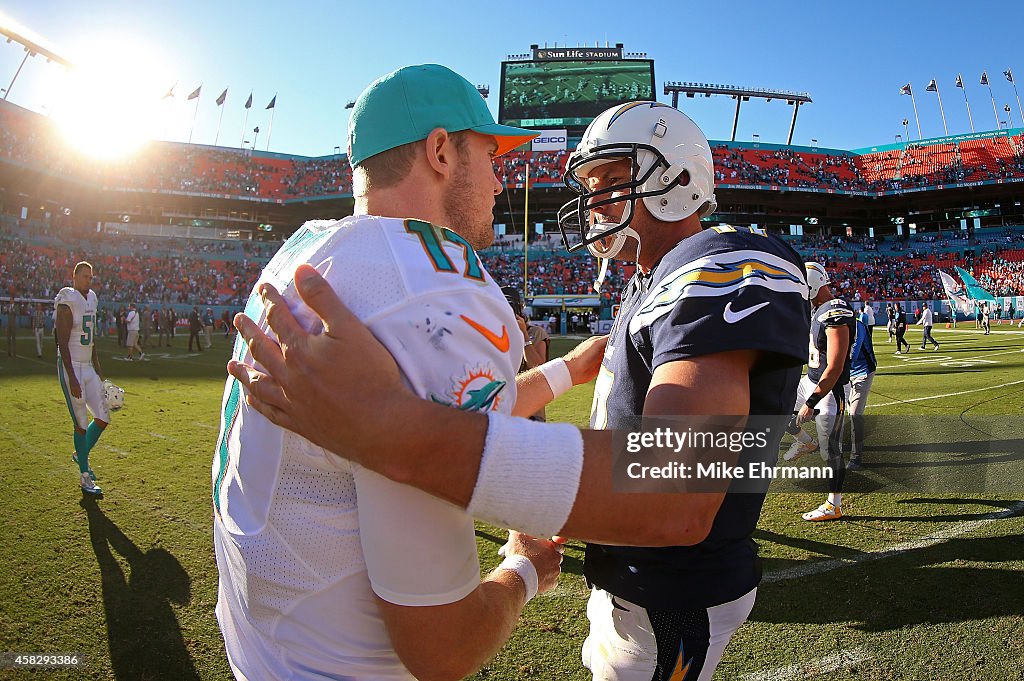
x=529 y=475
x=522 y=566
x=558 y=377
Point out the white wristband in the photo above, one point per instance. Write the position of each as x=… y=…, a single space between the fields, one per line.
x=558 y=377
x=529 y=475
x=522 y=566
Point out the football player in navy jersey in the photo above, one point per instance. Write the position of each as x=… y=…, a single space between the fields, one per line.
x=724 y=303
x=822 y=393
x=714 y=323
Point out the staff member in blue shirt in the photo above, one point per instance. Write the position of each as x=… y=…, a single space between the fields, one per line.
x=862 y=374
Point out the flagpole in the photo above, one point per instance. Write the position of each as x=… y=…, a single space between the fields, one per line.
x=1009 y=73
x=916 y=117
x=195 y=115
x=994 y=110
x=941 y=110
x=961 y=86
x=526 y=233
x=168 y=115
x=216 y=138
x=245 y=126
x=271 y=130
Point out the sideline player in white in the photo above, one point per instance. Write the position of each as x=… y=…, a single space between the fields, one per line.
x=821 y=395
x=328 y=570
x=927 y=320
x=132 y=322
x=78 y=367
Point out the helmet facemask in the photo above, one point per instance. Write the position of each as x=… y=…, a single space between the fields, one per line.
x=580 y=225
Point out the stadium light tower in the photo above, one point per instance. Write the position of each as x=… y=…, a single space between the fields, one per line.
x=484 y=90
x=32 y=49
x=740 y=94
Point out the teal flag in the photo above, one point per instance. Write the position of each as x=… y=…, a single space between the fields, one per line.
x=974 y=289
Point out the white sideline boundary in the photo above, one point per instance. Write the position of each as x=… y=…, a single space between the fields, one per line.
x=815 y=667
x=817 y=567
x=929 y=357
x=936 y=397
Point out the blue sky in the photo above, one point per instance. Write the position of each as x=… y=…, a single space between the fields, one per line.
x=851 y=58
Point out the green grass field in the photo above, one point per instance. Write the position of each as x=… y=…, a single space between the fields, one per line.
x=905 y=587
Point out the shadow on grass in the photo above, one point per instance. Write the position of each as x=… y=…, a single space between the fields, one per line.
x=142 y=631
x=930 y=585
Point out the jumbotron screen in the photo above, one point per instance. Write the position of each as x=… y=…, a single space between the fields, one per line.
x=553 y=94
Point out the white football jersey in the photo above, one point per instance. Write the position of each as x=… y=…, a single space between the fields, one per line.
x=303 y=538
x=83 y=325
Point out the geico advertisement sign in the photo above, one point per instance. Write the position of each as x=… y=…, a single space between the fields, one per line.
x=550 y=140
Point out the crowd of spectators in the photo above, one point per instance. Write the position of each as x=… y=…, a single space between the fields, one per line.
x=1004 y=275
x=33 y=271
x=166 y=271
x=30 y=139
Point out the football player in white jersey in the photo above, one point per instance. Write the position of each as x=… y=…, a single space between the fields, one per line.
x=715 y=322
x=328 y=570
x=78 y=367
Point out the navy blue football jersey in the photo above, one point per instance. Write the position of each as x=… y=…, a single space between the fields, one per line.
x=831 y=313
x=722 y=289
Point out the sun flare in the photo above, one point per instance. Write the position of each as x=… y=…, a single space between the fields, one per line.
x=111 y=101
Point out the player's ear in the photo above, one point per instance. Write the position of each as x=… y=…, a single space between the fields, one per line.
x=440 y=151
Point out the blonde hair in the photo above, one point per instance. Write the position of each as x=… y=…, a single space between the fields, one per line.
x=390 y=167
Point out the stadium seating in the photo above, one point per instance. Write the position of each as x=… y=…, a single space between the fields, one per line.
x=29 y=139
x=155 y=270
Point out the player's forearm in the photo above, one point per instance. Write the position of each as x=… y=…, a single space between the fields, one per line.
x=598 y=514
x=602 y=515
x=487 y=626
x=536 y=353
x=828 y=381
x=65 y=355
x=450 y=642
x=532 y=393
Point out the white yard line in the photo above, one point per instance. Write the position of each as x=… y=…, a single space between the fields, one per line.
x=205 y=425
x=937 y=397
x=928 y=357
x=817 y=567
x=816 y=667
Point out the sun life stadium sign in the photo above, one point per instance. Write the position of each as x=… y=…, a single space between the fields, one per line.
x=569 y=53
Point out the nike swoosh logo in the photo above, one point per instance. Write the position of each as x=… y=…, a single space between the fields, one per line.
x=501 y=342
x=732 y=317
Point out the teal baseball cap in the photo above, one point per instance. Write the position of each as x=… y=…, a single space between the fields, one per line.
x=405 y=105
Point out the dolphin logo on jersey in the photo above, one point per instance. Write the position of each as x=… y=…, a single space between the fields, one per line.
x=478 y=391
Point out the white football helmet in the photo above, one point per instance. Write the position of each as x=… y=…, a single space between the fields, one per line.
x=113 y=396
x=672 y=172
x=816 y=277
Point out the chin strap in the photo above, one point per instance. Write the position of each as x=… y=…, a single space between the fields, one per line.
x=601 y=274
